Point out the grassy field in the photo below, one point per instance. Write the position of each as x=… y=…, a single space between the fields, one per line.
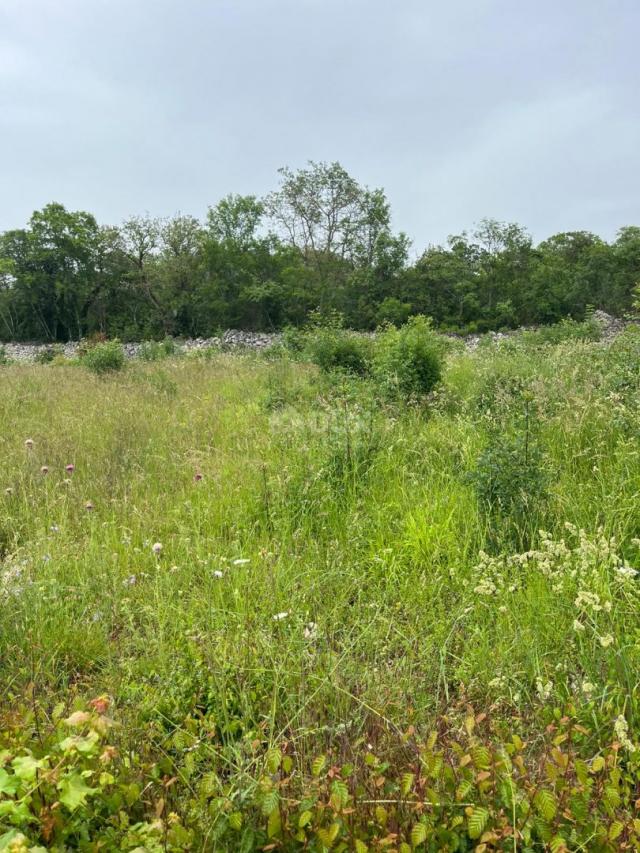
x=272 y=608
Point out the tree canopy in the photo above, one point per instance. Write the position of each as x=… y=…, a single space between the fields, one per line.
x=320 y=241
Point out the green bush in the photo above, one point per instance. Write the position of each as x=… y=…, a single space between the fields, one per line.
x=336 y=349
x=48 y=354
x=157 y=350
x=103 y=357
x=408 y=361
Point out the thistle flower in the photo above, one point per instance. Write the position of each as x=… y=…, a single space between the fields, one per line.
x=197 y=477
x=157 y=548
x=29 y=444
x=44 y=469
x=88 y=506
x=70 y=468
x=8 y=490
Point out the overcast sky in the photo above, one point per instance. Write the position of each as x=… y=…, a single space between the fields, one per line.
x=522 y=111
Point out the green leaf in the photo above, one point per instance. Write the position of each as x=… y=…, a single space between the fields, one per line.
x=8 y=784
x=406 y=784
x=304 y=818
x=274 y=824
x=360 y=846
x=481 y=757
x=545 y=803
x=74 y=791
x=328 y=836
x=477 y=821
x=235 y=821
x=274 y=757
x=26 y=767
x=557 y=844
x=318 y=765
x=418 y=834
x=270 y=803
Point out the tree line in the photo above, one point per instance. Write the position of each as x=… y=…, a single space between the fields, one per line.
x=320 y=242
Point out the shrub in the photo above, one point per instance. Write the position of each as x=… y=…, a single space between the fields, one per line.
x=408 y=361
x=335 y=349
x=157 y=350
x=47 y=354
x=103 y=357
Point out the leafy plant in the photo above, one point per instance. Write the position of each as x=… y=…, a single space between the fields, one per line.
x=103 y=358
x=407 y=361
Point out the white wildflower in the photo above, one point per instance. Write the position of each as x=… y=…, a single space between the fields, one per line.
x=578 y=626
x=156 y=548
x=218 y=574
x=278 y=617
x=543 y=690
x=621 y=728
x=241 y=562
x=606 y=640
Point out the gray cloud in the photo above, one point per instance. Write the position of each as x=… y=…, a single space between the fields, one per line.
x=473 y=108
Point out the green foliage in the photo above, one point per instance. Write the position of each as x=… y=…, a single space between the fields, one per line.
x=407 y=361
x=4 y=358
x=107 y=357
x=157 y=350
x=336 y=349
x=320 y=240
x=285 y=582
x=48 y=354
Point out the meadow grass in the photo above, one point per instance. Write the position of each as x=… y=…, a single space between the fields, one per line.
x=247 y=551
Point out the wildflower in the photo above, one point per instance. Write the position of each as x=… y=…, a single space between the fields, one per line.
x=157 y=548
x=29 y=444
x=108 y=754
x=88 y=506
x=588 y=688
x=278 y=617
x=543 y=690
x=621 y=728
x=54 y=528
x=197 y=477
x=8 y=490
x=218 y=574
x=44 y=469
x=606 y=641
x=100 y=704
x=241 y=562
x=626 y=571
x=310 y=631
x=130 y=581
x=66 y=482
x=69 y=468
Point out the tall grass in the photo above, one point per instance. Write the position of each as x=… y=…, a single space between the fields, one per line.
x=329 y=569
